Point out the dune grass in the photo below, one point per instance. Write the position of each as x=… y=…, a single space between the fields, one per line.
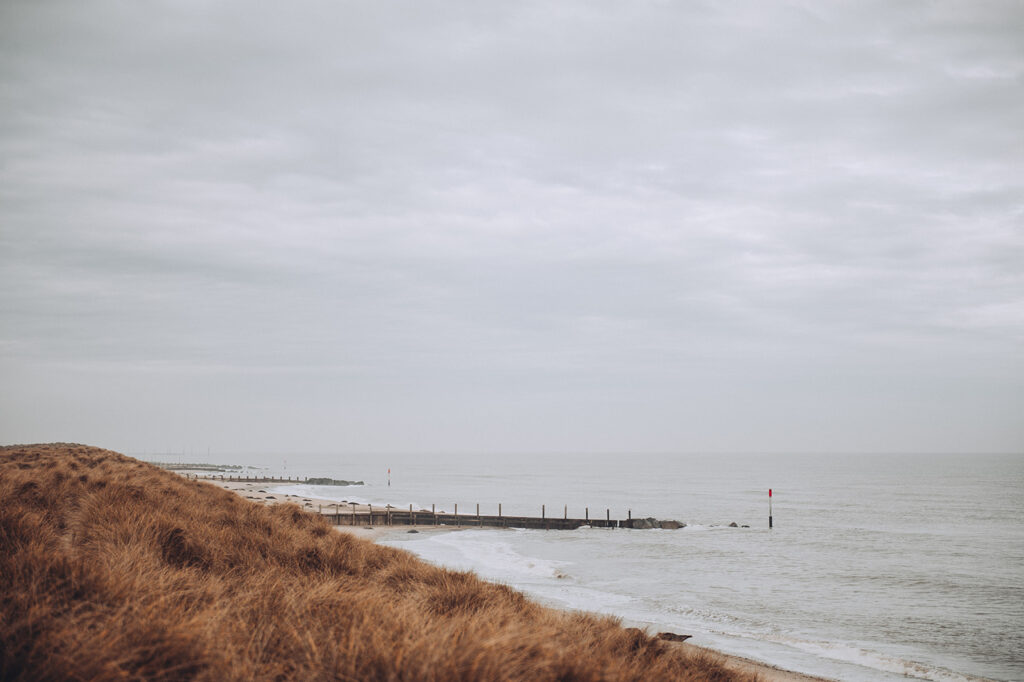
x=111 y=568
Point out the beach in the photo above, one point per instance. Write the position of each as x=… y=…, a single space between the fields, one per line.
x=262 y=493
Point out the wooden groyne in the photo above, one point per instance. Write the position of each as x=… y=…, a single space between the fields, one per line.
x=409 y=517
x=392 y=516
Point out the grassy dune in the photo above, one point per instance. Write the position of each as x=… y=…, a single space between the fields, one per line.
x=111 y=568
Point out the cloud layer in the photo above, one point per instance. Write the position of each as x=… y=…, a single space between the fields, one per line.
x=513 y=226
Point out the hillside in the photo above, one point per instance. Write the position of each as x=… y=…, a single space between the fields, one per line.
x=111 y=568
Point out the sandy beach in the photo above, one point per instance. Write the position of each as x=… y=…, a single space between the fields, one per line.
x=261 y=493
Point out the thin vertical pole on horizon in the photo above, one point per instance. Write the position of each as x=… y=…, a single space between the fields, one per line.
x=389 y=477
x=769 y=507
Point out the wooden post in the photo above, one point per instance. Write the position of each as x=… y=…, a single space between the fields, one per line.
x=478 y=513
x=412 y=519
x=499 y=510
x=433 y=510
x=353 y=514
x=542 y=513
x=565 y=513
x=371 y=515
x=457 y=522
x=586 y=513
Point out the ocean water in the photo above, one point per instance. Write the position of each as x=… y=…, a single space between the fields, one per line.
x=877 y=568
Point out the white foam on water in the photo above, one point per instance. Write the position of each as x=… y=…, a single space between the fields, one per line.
x=490 y=557
x=485 y=553
x=850 y=653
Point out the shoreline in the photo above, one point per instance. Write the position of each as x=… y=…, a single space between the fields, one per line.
x=259 y=493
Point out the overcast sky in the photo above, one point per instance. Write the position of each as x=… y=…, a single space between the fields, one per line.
x=512 y=226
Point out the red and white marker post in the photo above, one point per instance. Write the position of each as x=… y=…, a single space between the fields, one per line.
x=769 y=507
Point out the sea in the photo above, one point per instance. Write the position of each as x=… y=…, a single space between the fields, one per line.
x=876 y=567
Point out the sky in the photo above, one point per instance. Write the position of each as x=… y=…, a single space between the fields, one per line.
x=492 y=227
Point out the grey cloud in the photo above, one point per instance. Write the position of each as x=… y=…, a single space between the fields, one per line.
x=518 y=209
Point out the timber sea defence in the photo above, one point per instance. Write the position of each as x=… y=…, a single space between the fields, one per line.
x=353 y=514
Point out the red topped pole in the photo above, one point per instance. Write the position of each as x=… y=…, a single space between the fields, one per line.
x=769 y=507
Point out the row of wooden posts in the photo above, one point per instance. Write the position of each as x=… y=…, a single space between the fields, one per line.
x=392 y=516
x=248 y=479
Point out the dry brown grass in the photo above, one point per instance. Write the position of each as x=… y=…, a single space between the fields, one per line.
x=111 y=568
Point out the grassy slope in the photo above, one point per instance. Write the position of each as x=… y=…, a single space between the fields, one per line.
x=112 y=568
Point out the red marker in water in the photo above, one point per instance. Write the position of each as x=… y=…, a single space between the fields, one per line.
x=769 y=507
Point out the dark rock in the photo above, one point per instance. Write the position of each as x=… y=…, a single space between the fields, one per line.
x=271 y=497
x=331 y=481
x=651 y=522
x=733 y=525
x=673 y=637
x=412 y=531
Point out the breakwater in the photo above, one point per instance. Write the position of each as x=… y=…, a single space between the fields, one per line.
x=391 y=516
